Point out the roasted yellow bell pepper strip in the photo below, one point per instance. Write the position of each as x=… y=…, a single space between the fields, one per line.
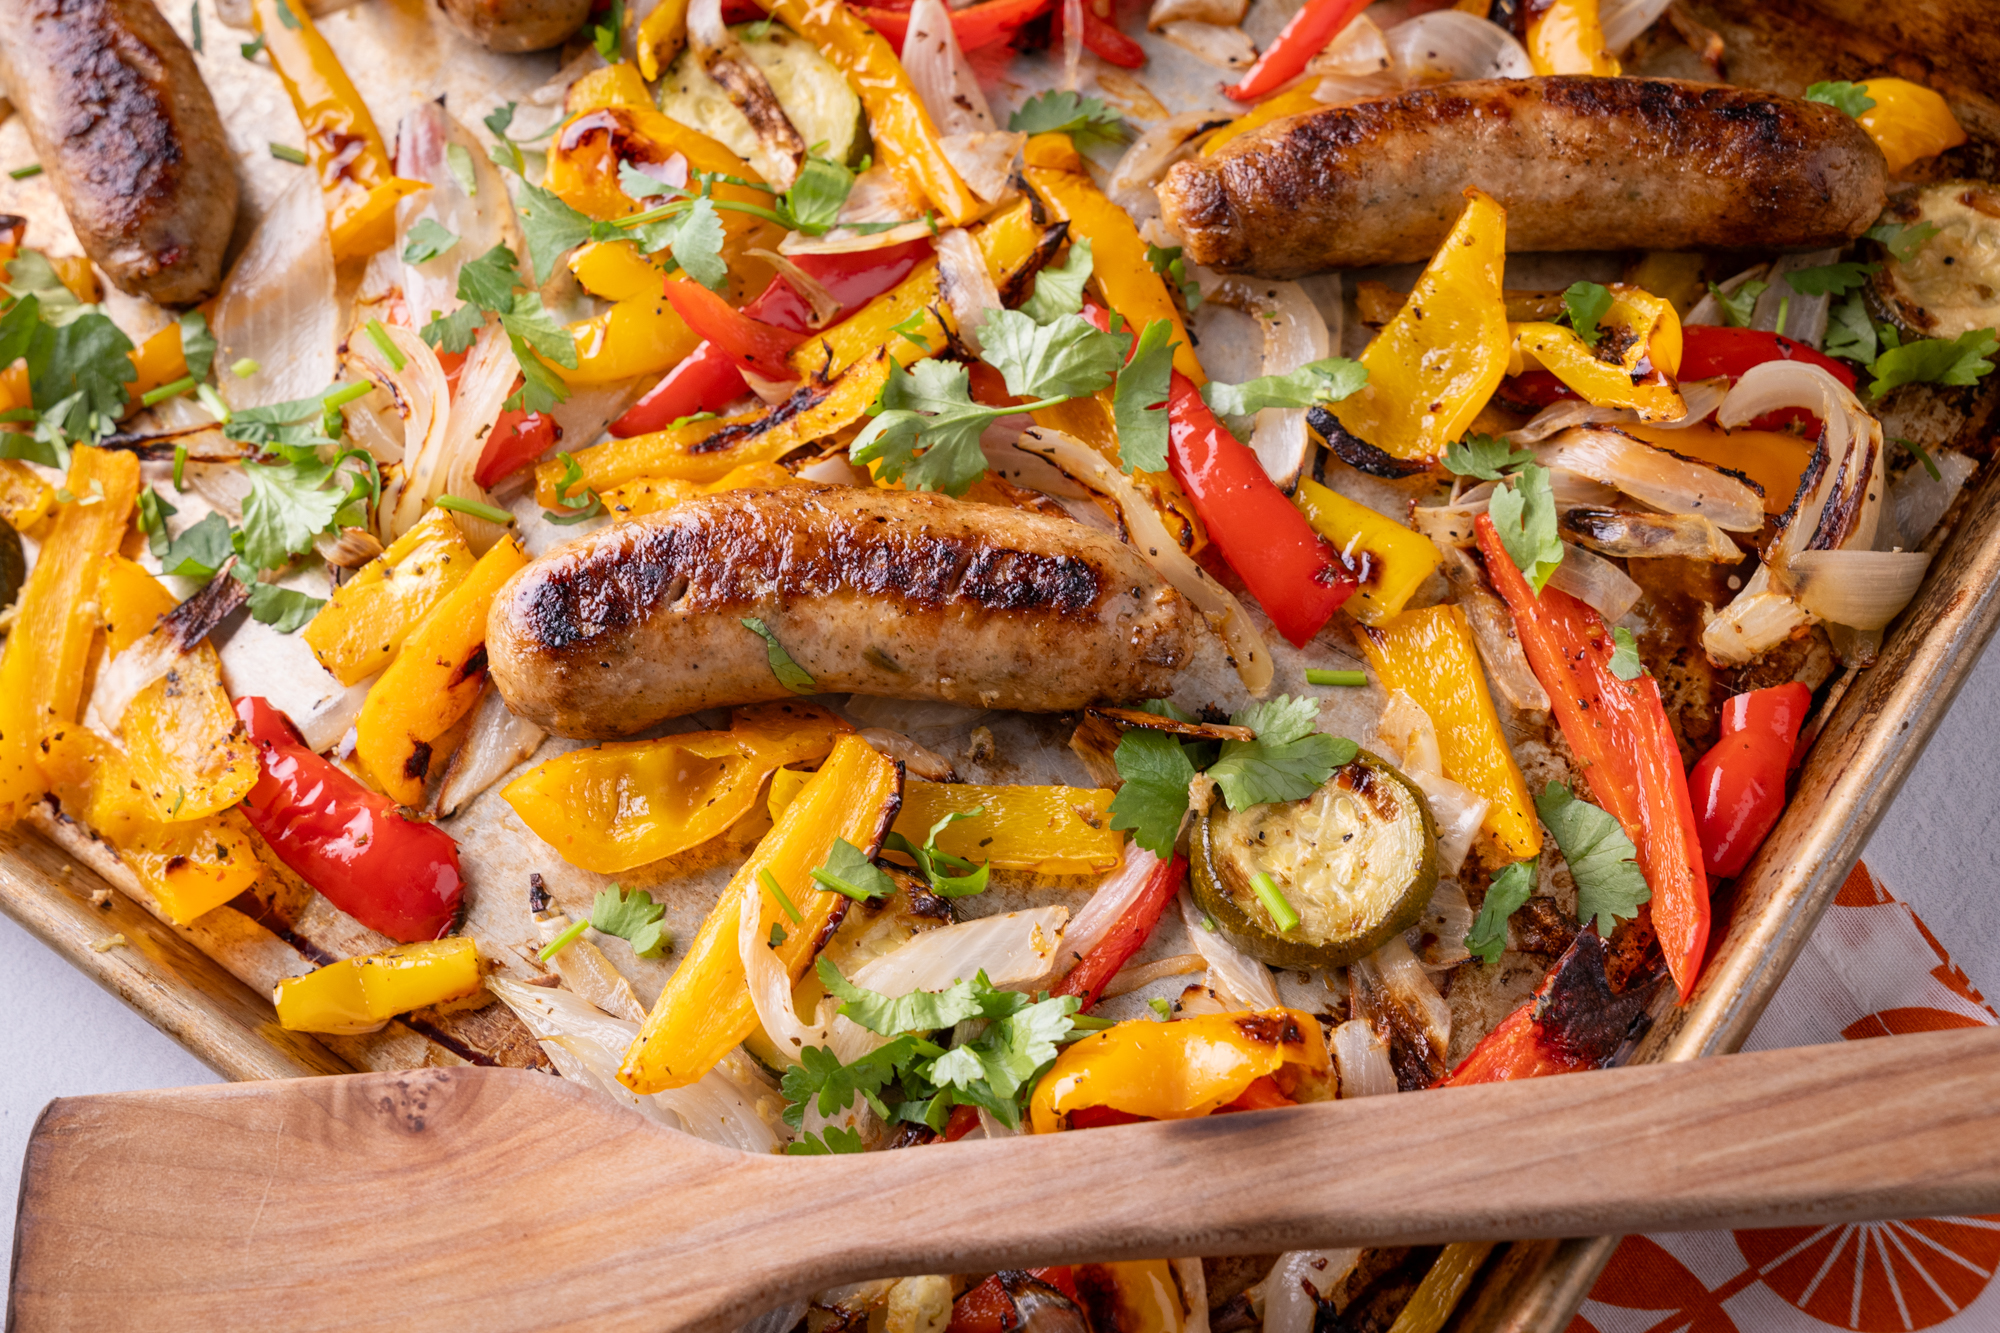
x=1294 y=102
x=1177 y=1070
x=873 y=327
x=624 y=126
x=48 y=647
x=1638 y=353
x=357 y=177
x=14 y=389
x=1055 y=830
x=1429 y=655
x=642 y=335
x=190 y=867
x=434 y=681
x=657 y=494
x=1567 y=37
x=25 y=499
x=905 y=135
x=1434 y=365
x=661 y=36
x=358 y=631
x=1144 y=1293
x=1391 y=560
x=1438 y=1294
x=1773 y=459
x=159 y=360
x=362 y=994
x=612 y=807
x=181 y=734
x=1908 y=122
x=706 y=1009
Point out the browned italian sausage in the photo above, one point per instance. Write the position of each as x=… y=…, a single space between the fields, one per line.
x=905 y=595
x=516 y=25
x=1580 y=164
x=127 y=131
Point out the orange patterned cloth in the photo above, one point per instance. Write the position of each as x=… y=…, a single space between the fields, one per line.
x=1872 y=969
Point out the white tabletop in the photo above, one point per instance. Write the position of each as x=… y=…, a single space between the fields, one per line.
x=1935 y=850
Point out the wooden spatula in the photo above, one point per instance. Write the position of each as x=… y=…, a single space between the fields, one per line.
x=488 y=1199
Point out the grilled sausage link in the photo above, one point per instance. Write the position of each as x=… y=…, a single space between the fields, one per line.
x=516 y=25
x=127 y=131
x=905 y=595
x=1579 y=163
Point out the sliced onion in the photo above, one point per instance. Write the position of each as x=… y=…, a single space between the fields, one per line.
x=1361 y=1058
x=1677 y=485
x=835 y=470
x=1294 y=335
x=1238 y=980
x=481 y=220
x=1843 y=506
x=277 y=307
x=1702 y=397
x=1222 y=47
x=1595 y=581
x=1859 y=589
x=841 y=241
x=1919 y=501
x=1072 y=42
x=918 y=761
x=879 y=195
x=331 y=717
x=986 y=160
x=1193 y=1282
x=1358 y=51
x=497 y=742
x=1146 y=162
x=965 y=281
x=1396 y=983
x=1805 y=316
x=1624 y=20
x=1407 y=732
x=1301 y=1279
x=1247 y=649
x=1195 y=11
x=423 y=398
x=1708 y=310
x=941 y=74
x=1450 y=44
x=1494 y=633
x=582 y=967
x=1108 y=902
x=1439 y=935
x=148 y=658
x=1759 y=619
x=1628 y=536
x=580 y=419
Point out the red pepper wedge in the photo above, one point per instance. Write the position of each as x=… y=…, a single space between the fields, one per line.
x=394 y=875
x=754 y=345
x=1739 y=785
x=1290 y=569
x=518 y=440
x=1619 y=732
x=1126 y=937
x=989 y=24
x=1709 y=350
x=1573 y=1021
x=988 y=1308
x=1104 y=40
x=1316 y=24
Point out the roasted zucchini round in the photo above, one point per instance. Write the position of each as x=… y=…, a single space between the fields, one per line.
x=1951 y=283
x=1356 y=861
x=814 y=95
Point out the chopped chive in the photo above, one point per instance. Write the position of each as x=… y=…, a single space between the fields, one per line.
x=250 y=49
x=1274 y=901
x=194 y=21
x=380 y=337
x=245 y=368
x=160 y=395
x=1325 y=676
x=562 y=941
x=24 y=173
x=1164 y=1008
x=180 y=462
x=491 y=513
x=347 y=393
x=770 y=881
x=1208 y=923
x=284 y=152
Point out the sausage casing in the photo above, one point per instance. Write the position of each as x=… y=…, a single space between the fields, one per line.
x=903 y=595
x=125 y=127
x=1580 y=164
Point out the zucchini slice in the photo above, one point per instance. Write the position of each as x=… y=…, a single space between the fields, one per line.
x=1952 y=282
x=814 y=95
x=1356 y=860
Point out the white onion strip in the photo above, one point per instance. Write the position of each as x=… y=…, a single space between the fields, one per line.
x=1450 y=44
x=1238 y=980
x=1117 y=892
x=1595 y=581
x=941 y=74
x=966 y=282
x=1660 y=479
x=497 y=742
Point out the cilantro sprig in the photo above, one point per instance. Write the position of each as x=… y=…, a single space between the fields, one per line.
x=1524 y=518
x=1088 y=122
x=492 y=285
x=1609 y=883
x=1851 y=98
x=1960 y=360
x=1487 y=457
x=1506 y=895
x=1586 y=304
x=633 y=917
x=1168 y=263
x=949 y=876
x=1625 y=663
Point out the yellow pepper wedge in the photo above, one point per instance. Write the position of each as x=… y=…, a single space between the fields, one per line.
x=656 y=495
x=190 y=867
x=905 y=135
x=434 y=681
x=706 y=1009
x=1142 y=1294
x=1567 y=37
x=1773 y=459
x=1295 y=102
x=612 y=807
x=158 y=360
x=1393 y=560
x=1908 y=122
x=181 y=733
x=1438 y=1294
x=872 y=328
x=1430 y=655
x=357 y=177
x=1638 y=353
x=25 y=499
x=363 y=624
x=1177 y=1070
x=661 y=36
x=14 y=389
x=642 y=335
x=362 y=994
x=1433 y=367
x=1054 y=830
x=48 y=647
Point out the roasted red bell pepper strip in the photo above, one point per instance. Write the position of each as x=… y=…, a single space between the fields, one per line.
x=1709 y=350
x=756 y=346
x=1739 y=785
x=1573 y=1021
x=518 y=439
x=988 y=1308
x=394 y=875
x=1619 y=733
x=709 y=378
x=975 y=26
x=1104 y=40
x=1290 y=569
x=1316 y=24
x=1127 y=936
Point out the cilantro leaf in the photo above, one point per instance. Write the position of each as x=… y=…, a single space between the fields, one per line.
x=919 y=1011
x=1153 y=797
x=1289 y=759
x=1059 y=287
x=551 y=227
x=848 y=870
x=1609 y=883
x=19 y=323
x=820 y=1075
x=1586 y=303
x=789 y=673
x=1850 y=332
x=1902 y=240
x=1625 y=662
x=633 y=917
x=1087 y=121
x=289 y=504
x=199 y=551
x=585 y=505
x=1139 y=400
x=835 y=1141
x=1167 y=262
x=454 y=332
x=1065 y=358
x=528 y=321
x=638 y=183
x=154 y=510
x=813 y=203
x=1324 y=381
x=696 y=238
x=966 y=882
x=1009 y=1054
x=1486 y=457
x=926 y=429
x=1830 y=279
x=1524 y=516
x=1921 y=454
x=78 y=372
x=1960 y=360
x=30 y=273
x=1851 y=98
x=428 y=240
x=283 y=609
x=500 y=119
x=1738 y=306
x=1510 y=889
x=197 y=344
x=909 y=329
x=489 y=281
